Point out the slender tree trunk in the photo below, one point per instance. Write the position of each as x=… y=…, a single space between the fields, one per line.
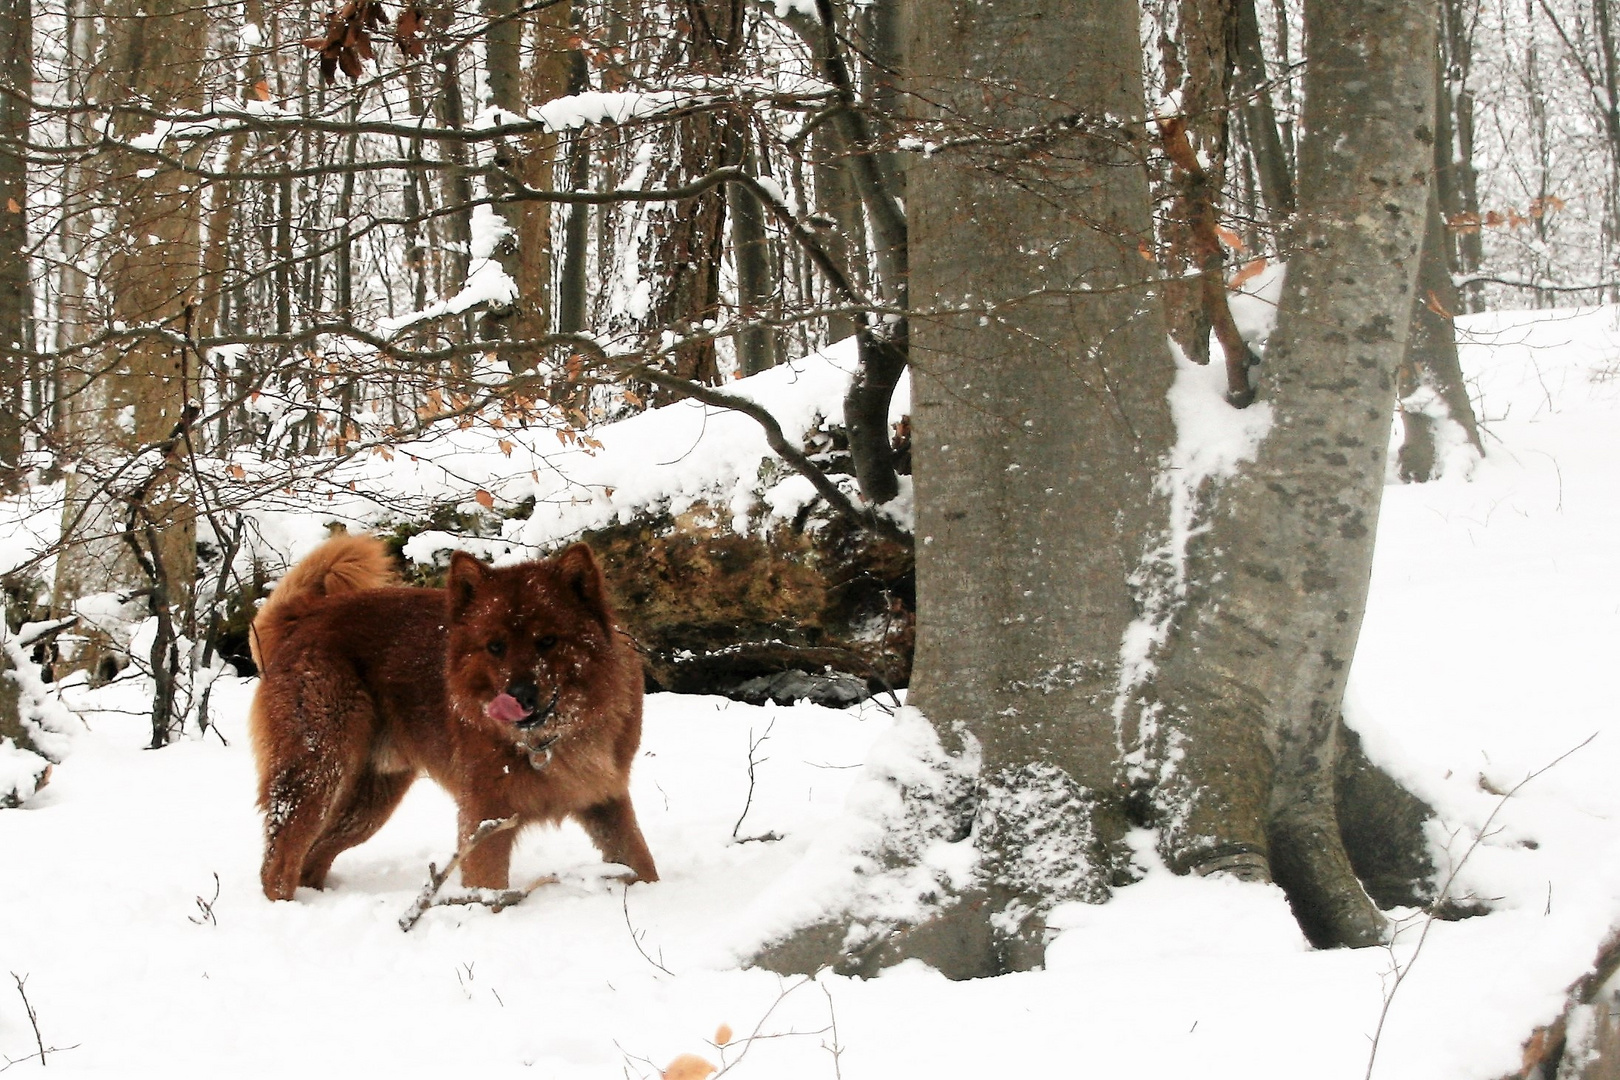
x=455 y=230
x=1244 y=707
x=1456 y=178
x=1198 y=65
x=751 y=254
x=74 y=310
x=151 y=260
x=16 y=296
x=522 y=75
x=1429 y=381
x=415 y=188
x=693 y=231
x=573 y=281
x=1270 y=155
x=837 y=198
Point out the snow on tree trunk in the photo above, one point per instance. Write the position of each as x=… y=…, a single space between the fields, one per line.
x=1040 y=367
x=1241 y=717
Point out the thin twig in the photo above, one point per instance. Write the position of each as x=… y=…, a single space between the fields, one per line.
x=755 y=1035
x=437 y=877
x=1438 y=902
x=753 y=763
x=835 y=1050
x=205 y=908
x=635 y=935
x=33 y=1019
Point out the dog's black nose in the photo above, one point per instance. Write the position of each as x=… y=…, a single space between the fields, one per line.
x=525 y=693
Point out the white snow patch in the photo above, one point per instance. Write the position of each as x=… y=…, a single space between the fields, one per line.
x=1213 y=440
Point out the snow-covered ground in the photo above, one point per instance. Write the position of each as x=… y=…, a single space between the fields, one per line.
x=1489 y=651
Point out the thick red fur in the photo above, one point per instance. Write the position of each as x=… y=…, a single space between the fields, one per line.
x=365 y=685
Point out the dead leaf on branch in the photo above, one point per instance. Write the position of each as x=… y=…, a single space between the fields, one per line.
x=346 y=45
x=1470 y=221
x=1433 y=304
x=688 y=1067
x=1249 y=270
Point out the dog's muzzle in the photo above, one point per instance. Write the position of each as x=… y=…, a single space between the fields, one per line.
x=537 y=716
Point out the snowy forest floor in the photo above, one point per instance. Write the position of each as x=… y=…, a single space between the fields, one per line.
x=1489 y=650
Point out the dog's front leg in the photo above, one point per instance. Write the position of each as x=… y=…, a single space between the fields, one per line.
x=612 y=827
x=488 y=864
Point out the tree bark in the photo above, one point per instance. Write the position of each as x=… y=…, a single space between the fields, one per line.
x=1039 y=415
x=1203 y=55
x=16 y=296
x=751 y=254
x=523 y=75
x=1429 y=381
x=1244 y=708
x=1456 y=179
x=692 y=245
x=845 y=239
x=151 y=261
x=1271 y=158
x=573 y=286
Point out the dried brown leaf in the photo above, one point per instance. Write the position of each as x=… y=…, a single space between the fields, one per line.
x=1229 y=238
x=1249 y=270
x=1433 y=304
x=688 y=1067
x=484 y=499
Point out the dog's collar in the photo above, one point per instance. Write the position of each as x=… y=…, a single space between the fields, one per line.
x=539 y=754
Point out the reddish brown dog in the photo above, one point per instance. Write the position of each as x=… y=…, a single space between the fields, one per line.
x=512 y=687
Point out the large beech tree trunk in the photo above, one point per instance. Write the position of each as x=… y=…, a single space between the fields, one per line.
x=1044 y=537
x=1246 y=703
x=1038 y=422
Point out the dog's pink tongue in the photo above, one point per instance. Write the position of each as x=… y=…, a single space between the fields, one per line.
x=506 y=709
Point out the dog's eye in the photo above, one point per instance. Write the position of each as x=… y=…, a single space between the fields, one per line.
x=545 y=644
x=497 y=648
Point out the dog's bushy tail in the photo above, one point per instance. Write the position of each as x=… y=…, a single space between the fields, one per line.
x=344 y=564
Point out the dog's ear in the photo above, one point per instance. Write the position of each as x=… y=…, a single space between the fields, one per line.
x=466 y=574
x=579 y=573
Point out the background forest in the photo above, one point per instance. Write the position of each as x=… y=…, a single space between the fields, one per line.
x=254 y=243
x=1110 y=305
